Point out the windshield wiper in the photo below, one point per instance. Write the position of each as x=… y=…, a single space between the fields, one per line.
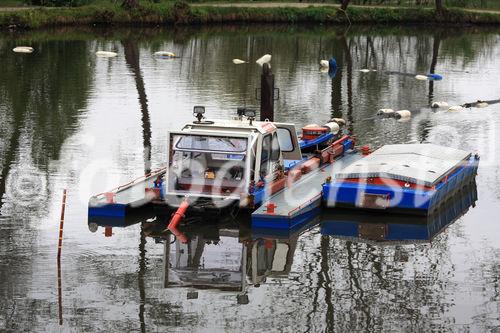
x=227 y=140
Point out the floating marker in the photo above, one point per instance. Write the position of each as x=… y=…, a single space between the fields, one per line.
x=339 y=121
x=265 y=59
x=435 y=77
x=439 y=105
x=385 y=112
x=166 y=54
x=481 y=104
x=402 y=114
x=106 y=54
x=421 y=77
x=332 y=63
x=455 y=108
x=23 y=49
x=364 y=70
x=324 y=63
x=332 y=67
x=239 y=61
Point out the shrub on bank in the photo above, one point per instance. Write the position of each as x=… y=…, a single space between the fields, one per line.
x=58 y=3
x=179 y=12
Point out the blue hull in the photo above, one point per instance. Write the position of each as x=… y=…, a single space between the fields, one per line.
x=414 y=201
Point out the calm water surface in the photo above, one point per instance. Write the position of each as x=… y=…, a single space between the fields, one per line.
x=71 y=120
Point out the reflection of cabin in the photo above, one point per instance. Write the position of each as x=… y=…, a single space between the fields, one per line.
x=270 y=258
x=206 y=264
x=229 y=261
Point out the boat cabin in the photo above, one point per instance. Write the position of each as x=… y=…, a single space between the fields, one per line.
x=224 y=158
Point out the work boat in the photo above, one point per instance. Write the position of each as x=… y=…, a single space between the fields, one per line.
x=214 y=165
x=405 y=178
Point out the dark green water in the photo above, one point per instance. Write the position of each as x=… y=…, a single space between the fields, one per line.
x=71 y=120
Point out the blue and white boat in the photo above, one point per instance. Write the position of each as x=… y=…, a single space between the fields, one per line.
x=408 y=178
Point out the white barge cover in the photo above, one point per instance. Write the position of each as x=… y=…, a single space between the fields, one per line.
x=424 y=164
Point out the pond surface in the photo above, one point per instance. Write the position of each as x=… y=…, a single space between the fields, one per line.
x=71 y=120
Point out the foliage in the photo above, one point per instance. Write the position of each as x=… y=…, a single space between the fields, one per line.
x=149 y=13
x=58 y=3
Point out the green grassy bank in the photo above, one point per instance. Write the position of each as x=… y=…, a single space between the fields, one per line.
x=182 y=13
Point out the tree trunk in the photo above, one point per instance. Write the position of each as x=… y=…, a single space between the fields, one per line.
x=439 y=6
x=344 y=4
x=129 y=4
x=132 y=57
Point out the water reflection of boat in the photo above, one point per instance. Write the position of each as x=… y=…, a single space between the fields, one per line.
x=399 y=228
x=226 y=256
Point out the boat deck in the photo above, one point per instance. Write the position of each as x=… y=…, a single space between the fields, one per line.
x=369 y=184
x=297 y=204
x=423 y=164
x=115 y=202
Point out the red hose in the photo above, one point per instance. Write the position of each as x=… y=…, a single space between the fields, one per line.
x=176 y=219
x=179 y=214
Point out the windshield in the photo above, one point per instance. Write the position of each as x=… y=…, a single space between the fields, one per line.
x=210 y=143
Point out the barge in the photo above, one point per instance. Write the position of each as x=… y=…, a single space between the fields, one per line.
x=216 y=166
x=396 y=228
x=405 y=178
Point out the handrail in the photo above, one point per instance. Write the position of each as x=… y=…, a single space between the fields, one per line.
x=133 y=182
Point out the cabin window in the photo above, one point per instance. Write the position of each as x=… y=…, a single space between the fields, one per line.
x=275 y=149
x=285 y=139
x=265 y=157
x=213 y=165
x=210 y=143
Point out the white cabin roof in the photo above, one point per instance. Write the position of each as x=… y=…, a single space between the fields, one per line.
x=415 y=163
x=232 y=125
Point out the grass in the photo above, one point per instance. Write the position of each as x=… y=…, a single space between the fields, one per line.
x=471 y=4
x=167 y=12
x=11 y=3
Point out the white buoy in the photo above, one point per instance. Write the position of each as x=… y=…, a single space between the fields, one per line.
x=339 y=121
x=333 y=126
x=165 y=54
x=439 y=105
x=324 y=63
x=482 y=105
x=402 y=114
x=239 y=61
x=364 y=70
x=385 y=112
x=421 y=77
x=455 y=108
x=265 y=59
x=106 y=54
x=324 y=69
x=23 y=49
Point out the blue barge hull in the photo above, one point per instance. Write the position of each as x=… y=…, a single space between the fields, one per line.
x=393 y=196
x=399 y=228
